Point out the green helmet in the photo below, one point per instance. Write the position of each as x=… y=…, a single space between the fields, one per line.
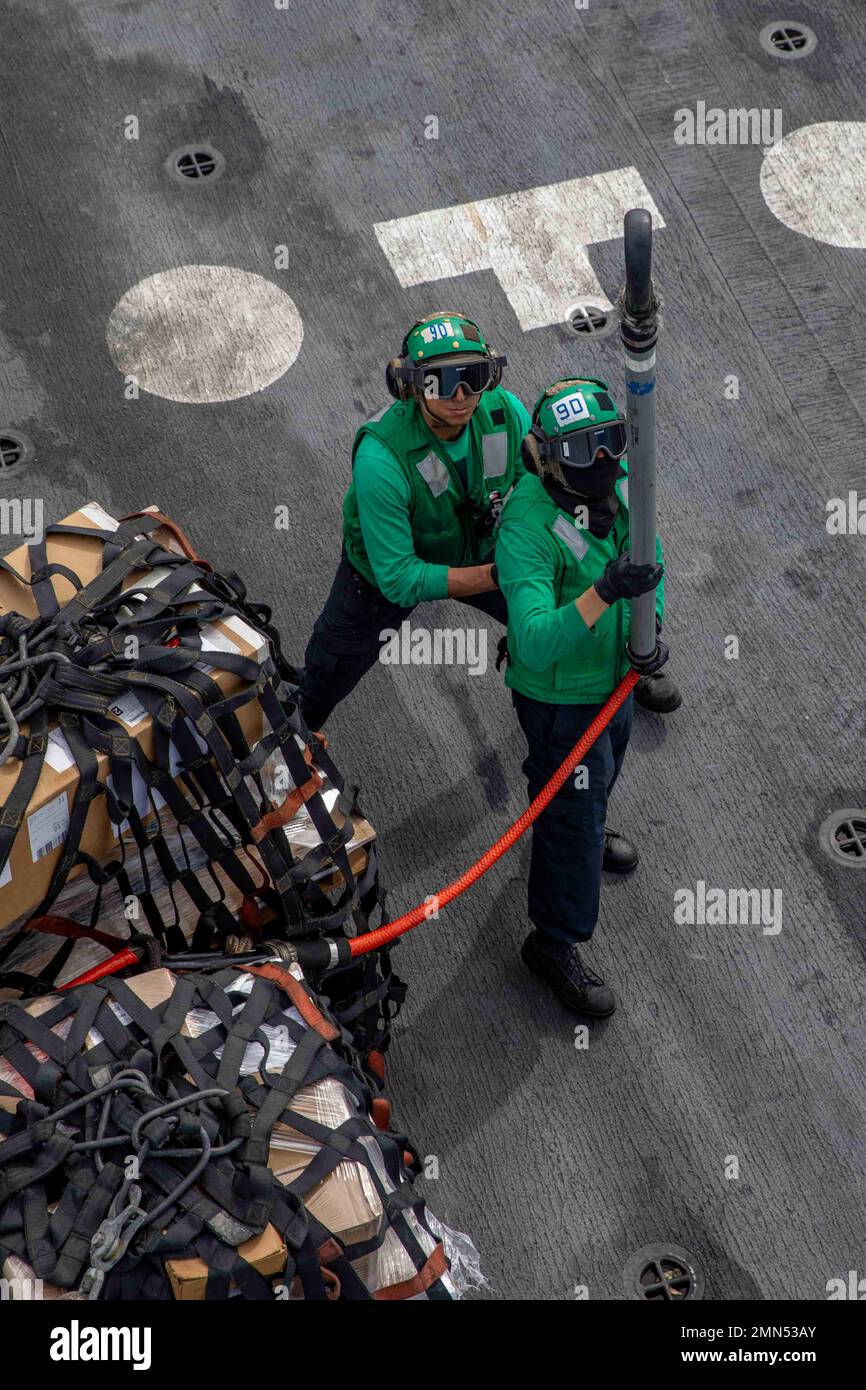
x=576 y=424
x=441 y=335
x=441 y=352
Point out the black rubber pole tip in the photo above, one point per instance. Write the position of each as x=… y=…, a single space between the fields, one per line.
x=638 y=239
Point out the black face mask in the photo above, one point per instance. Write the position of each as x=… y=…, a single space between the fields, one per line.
x=596 y=493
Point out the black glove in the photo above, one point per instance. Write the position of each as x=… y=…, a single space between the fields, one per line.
x=622 y=579
x=647 y=665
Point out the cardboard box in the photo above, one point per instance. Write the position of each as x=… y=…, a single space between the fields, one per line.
x=303 y=837
x=345 y=1202
x=36 y=950
x=265 y=1252
x=188 y=1278
x=39 y=842
x=153 y=987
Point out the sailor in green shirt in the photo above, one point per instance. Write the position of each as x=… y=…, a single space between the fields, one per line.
x=563 y=566
x=430 y=474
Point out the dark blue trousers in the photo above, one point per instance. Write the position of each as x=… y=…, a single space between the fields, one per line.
x=568 y=837
x=346 y=638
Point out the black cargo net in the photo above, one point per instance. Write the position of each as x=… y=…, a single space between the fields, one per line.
x=133 y=1135
x=212 y=829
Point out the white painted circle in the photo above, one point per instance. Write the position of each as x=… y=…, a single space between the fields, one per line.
x=814 y=180
x=204 y=333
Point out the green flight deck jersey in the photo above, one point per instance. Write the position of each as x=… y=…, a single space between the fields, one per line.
x=407 y=515
x=544 y=562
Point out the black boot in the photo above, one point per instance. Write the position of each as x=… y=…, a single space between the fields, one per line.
x=658 y=692
x=562 y=968
x=620 y=855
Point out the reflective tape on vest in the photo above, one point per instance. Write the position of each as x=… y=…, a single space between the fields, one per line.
x=494 y=449
x=435 y=474
x=623 y=492
x=574 y=539
x=374 y=419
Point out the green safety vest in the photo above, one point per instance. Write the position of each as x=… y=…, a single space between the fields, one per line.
x=577 y=559
x=442 y=535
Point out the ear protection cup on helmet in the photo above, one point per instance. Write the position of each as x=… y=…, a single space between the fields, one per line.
x=399 y=389
x=497 y=370
x=529 y=454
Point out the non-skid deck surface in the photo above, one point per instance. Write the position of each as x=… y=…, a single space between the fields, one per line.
x=731 y=1046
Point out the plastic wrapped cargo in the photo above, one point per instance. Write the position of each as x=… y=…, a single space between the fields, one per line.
x=153 y=747
x=296 y=1190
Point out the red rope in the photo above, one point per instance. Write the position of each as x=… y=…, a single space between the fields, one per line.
x=106 y=967
x=371 y=941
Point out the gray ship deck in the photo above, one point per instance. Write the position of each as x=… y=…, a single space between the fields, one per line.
x=728 y=1041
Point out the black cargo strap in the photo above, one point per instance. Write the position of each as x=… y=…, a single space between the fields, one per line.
x=108 y=643
x=220 y=800
x=61 y=1185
